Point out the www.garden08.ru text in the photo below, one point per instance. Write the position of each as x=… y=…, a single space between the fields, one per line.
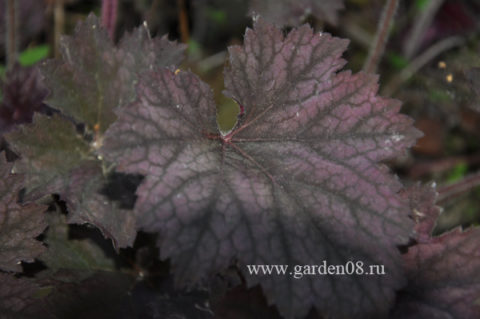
x=322 y=269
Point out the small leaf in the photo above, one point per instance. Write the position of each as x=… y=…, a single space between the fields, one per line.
x=421 y=4
x=443 y=278
x=296 y=182
x=72 y=254
x=423 y=209
x=93 y=77
x=33 y=55
x=84 y=82
x=143 y=53
x=397 y=61
x=88 y=205
x=23 y=94
x=55 y=158
x=457 y=173
x=46 y=170
x=19 y=224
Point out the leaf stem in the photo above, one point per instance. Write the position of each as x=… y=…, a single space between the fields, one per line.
x=109 y=16
x=12 y=29
x=381 y=37
x=211 y=136
x=248 y=122
x=251 y=159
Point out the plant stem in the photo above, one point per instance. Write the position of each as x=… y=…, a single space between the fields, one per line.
x=356 y=33
x=12 y=28
x=448 y=192
x=213 y=61
x=59 y=24
x=109 y=16
x=183 y=20
x=381 y=37
x=421 y=24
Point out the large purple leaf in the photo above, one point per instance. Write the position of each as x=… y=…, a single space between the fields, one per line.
x=443 y=278
x=296 y=182
x=19 y=224
x=294 y=12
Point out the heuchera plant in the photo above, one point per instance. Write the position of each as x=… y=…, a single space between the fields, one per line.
x=298 y=180
x=277 y=189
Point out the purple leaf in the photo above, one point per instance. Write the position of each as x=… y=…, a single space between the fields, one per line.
x=85 y=81
x=19 y=224
x=74 y=254
x=143 y=53
x=48 y=171
x=23 y=94
x=295 y=183
x=294 y=12
x=73 y=171
x=88 y=205
x=93 y=77
x=423 y=209
x=443 y=278
x=90 y=80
